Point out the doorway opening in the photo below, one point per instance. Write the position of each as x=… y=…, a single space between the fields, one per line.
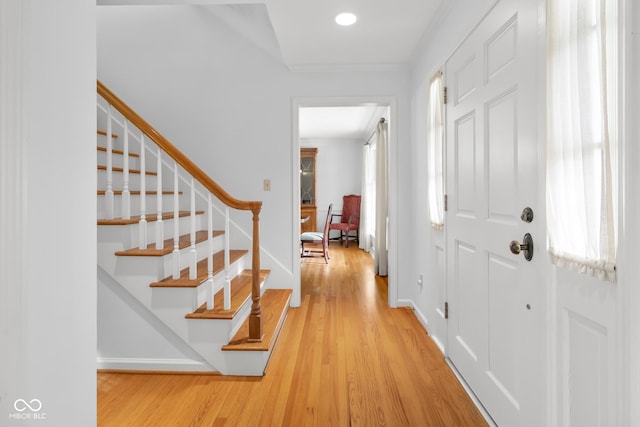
x=339 y=131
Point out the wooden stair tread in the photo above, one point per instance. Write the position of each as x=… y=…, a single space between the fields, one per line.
x=202 y=274
x=274 y=303
x=104 y=133
x=240 y=292
x=135 y=192
x=119 y=169
x=114 y=151
x=150 y=218
x=183 y=242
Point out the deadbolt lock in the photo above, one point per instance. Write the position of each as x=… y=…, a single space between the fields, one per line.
x=527 y=214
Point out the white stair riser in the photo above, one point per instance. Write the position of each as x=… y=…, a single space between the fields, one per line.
x=135 y=200
x=118 y=160
x=246 y=363
x=117 y=181
x=127 y=236
x=219 y=279
x=132 y=271
x=163 y=265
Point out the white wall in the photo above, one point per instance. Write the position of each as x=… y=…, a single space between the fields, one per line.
x=456 y=19
x=339 y=172
x=48 y=314
x=212 y=89
x=148 y=343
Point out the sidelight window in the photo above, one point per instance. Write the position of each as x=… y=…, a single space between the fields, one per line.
x=435 y=150
x=582 y=135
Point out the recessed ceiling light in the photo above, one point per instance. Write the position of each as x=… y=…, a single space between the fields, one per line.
x=346 y=19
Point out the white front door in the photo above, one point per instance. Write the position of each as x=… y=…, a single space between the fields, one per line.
x=497 y=299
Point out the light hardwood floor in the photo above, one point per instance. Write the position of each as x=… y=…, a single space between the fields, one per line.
x=343 y=358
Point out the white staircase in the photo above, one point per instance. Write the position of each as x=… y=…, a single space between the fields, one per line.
x=165 y=242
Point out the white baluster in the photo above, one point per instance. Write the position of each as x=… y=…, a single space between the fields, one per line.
x=227 y=267
x=193 y=267
x=210 y=288
x=176 y=224
x=143 y=201
x=159 y=224
x=126 y=195
x=109 y=192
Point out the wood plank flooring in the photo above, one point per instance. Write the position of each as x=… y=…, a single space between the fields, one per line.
x=343 y=358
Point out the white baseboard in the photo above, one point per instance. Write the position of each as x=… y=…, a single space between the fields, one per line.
x=438 y=344
x=134 y=364
x=421 y=317
x=423 y=320
x=471 y=394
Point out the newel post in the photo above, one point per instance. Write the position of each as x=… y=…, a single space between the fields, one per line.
x=255 y=318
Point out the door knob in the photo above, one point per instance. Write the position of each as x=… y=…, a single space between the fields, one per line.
x=525 y=247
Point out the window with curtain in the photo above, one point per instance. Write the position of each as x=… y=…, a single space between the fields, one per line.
x=435 y=146
x=368 y=202
x=582 y=135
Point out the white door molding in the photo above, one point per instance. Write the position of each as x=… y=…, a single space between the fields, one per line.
x=391 y=102
x=13 y=199
x=629 y=269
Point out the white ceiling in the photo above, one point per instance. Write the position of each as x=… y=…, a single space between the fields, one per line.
x=344 y=122
x=385 y=36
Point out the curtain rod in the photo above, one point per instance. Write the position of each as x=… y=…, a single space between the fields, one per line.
x=382 y=120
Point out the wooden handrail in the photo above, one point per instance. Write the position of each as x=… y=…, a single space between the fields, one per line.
x=174 y=153
x=255 y=317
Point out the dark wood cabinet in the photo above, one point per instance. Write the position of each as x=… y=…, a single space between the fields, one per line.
x=308 y=195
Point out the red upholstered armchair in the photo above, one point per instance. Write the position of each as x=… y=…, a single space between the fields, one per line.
x=349 y=219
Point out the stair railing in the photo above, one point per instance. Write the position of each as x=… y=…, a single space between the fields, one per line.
x=131 y=119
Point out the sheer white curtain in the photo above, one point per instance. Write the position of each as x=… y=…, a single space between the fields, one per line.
x=368 y=202
x=382 y=193
x=435 y=139
x=582 y=140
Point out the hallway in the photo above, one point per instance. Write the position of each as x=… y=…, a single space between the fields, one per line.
x=343 y=358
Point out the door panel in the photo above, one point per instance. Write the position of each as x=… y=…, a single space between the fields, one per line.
x=497 y=320
x=465 y=161
x=502 y=150
x=470 y=296
x=503 y=274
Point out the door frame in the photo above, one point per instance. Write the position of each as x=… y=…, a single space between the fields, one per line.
x=385 y=101
x=629 y=271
